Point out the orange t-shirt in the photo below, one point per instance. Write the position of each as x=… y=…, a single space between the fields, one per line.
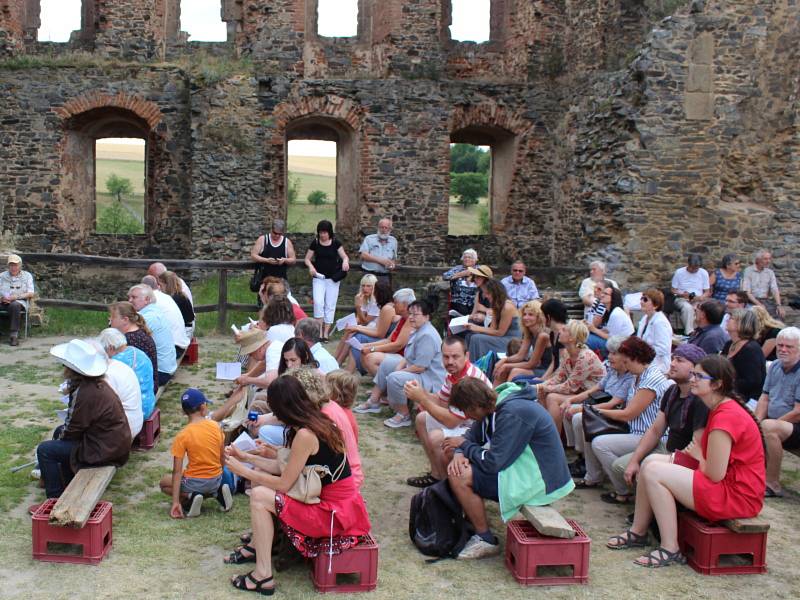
x=203 y=443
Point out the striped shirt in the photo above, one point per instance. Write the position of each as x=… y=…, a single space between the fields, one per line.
x=469 y=370
x=650 y=379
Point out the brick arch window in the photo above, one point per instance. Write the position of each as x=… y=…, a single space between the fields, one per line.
x=502 y=146
x=346 y=192
x=82 y=174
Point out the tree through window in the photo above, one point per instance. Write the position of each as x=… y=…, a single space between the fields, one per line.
x=120 y=185
x=311 y=184
x=470 y=200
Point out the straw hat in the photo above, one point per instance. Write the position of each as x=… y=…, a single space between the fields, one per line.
x=252 y=340
x=481 y=271
x=80 y=357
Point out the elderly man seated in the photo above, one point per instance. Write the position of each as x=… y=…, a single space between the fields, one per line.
x=761 y=285
x=597 y=277
x=523 y=464
x=521 y=288
x=308 y=330
x=690 y=285
x=779 y=406
x=144 y=301
x=172 y=313
x=16 y=288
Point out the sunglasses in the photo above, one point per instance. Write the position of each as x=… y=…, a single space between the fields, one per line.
x=702 y=376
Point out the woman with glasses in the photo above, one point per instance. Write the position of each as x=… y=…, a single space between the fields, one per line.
x=725 y=279
x=726 y=479
x=654 y=328
x=745 y=353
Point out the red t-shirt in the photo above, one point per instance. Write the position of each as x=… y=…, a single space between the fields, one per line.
x=740 y=494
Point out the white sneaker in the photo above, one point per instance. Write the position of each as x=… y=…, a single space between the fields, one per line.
x=476 y=547
x=36 y=474
x=224 y=497
x=398 y=421
x=194 y=505
x=367 y=407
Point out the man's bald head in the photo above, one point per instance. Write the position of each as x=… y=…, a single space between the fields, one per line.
x=151 y=281
x=156 y=269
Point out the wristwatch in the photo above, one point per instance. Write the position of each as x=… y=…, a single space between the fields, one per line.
x=371 y=349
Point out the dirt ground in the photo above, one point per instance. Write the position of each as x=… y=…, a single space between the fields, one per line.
x=154 y=556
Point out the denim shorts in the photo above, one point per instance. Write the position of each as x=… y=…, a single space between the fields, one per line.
x=197 y=485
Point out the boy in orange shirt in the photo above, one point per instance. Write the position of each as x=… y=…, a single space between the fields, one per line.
x=203 y=442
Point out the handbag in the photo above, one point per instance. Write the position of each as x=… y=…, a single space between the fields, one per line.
x=256 y=279
x=595 y=424
x=338 y=276
x=308 y=486
x=599 y=397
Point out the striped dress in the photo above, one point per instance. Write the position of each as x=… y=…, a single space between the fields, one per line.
x=650 y=379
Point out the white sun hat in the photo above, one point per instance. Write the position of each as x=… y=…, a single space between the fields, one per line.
x=80 y=357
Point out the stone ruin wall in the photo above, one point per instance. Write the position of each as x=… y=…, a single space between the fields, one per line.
x=621 y=137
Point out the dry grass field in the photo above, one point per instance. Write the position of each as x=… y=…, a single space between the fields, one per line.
x=156 y=557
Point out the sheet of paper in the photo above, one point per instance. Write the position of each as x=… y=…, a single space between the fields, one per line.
x=357 y=345
x=244 y=442
x=229 y=371
x=373 y=310
x=345 y=321
x=458 y=324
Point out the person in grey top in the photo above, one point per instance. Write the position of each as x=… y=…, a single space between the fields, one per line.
x=779 y=406
x=760 y=283
x=379 y=252
x=16 y=288
x=421 y=362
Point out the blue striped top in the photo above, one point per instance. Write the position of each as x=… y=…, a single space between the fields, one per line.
x=651 y=379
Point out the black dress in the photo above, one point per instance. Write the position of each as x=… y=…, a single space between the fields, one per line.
x=326 y=258
x=751 y=369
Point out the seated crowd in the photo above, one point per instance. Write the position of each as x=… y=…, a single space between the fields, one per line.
x=664 y=419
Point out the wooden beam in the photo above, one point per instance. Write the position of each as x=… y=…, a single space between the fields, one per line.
x=75 y=505
x=548 y=521
x=754 y=525
x=222 y=302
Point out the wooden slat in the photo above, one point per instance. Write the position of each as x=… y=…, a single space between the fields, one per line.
x=548 y=521
x=754 y=525
x=75 y=505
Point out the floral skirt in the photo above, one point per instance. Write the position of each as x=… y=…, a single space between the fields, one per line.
x=310 y=527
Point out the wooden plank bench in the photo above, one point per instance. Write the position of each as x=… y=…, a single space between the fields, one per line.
x=754 y=525
x=548 y=521
x=77 y=502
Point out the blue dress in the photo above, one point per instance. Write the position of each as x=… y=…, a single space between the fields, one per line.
x=723 y=287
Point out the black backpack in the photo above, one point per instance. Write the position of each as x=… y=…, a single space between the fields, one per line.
x=436 y=522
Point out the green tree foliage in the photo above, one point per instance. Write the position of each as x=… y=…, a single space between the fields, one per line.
x=119 y=186
x=466 y=158
x=483 y=220
x=117 y=220
x=293 y=189
x=469 y=187
x=317 y=197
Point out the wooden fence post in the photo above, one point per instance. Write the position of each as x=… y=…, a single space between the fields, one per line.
x=222 y=302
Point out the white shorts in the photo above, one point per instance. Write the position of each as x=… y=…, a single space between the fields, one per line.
x=431 y=424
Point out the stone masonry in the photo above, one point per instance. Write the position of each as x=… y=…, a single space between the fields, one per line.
x=615 y=133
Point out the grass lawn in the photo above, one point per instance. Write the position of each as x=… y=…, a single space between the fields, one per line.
x=464 y=221
x=310 y=182
x=303 y=217
x=129 y=169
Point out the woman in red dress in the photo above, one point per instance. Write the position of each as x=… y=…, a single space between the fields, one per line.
x=333 y=525
x=726 y=481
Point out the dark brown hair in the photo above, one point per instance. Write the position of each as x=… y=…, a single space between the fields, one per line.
x=656 y=297
x=278 y=311
x=635 y=348
x=471 y=393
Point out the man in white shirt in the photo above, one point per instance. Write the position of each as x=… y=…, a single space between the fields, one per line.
x=308 y=331
x=690 y=286
x=171 y=313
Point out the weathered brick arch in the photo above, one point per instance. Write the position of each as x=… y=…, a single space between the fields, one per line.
x=491 y=115
x=148 y=111
x=343 y=121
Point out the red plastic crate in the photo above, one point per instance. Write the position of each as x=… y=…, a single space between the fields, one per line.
x=151 y=430
x=94 y=538
x=192 y=353
x=359 y=563
x=705 y=544
x=527 y=551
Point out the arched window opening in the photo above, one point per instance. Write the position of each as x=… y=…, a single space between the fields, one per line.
x=482 y=162
x=59 y=18
x=120 y=185
x=202 y=20
x=337 y=18
x=470 y=20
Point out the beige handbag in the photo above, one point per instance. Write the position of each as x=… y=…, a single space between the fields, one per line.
x=308 y=486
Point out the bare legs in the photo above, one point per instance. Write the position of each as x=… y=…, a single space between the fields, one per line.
x=262 y=507
x=775 y=433
x=432 y=443
x=470 y=501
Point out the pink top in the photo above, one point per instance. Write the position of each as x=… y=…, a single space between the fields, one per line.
x=338 y=415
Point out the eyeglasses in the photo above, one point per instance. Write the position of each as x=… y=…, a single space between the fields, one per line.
x=702 y=376
x=645 y=299
x=415 y=314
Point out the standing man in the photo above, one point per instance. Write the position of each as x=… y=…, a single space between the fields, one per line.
x=690 y=286
x=16 y=288
x=274 y=252
x=521 y=288
x=379 y=252
x=759 y=282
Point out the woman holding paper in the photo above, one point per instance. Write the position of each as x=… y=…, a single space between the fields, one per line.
x=379 y=328
x=327 y=262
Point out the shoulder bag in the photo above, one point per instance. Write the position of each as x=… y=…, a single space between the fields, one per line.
x=595 y=424
x=308 y=486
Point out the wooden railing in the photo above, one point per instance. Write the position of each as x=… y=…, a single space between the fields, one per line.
x=223 y=267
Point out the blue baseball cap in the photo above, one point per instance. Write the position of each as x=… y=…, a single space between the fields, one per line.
x=192 y=399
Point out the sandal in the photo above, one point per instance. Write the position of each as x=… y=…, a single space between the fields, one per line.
x=237 y=558
x=629 y=539
x=240 y=583
x=582 y=484
x=661 y=557
x=423 y=481
x=615 y=498
x=246 y=537
x=770 y=493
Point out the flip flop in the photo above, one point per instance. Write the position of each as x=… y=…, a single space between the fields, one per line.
x=582 y=484
x=615 y=498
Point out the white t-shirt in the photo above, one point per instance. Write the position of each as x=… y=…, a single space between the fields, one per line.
x=124 y=382
x=684 y=281
x=277 y=336
x=619 y=323
x=174 y=318
x=327 y=363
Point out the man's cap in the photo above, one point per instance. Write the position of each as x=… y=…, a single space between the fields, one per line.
x=252 y=340
x=193 y=398
x=481 y=271
x=690 y=352
x=14 y=259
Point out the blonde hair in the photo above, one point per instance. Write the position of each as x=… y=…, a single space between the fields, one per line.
x=343 y=387
x=765 y=320
x=368 y=279
x=578 y=330
x=170 y=283
x=312 y=383
x=533 y=307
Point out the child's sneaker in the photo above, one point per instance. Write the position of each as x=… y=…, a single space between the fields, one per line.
x=224 y=497
x=193 y=504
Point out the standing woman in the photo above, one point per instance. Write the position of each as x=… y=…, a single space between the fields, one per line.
x=534 y=353
x=745 y=354
x=334 y=524
x=654 y=328
x=728 y=483
x=726 y=279
x=325 y=259
x=504 y=325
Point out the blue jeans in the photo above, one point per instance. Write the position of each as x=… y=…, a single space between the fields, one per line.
x=598 y=344
x=53 y=457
